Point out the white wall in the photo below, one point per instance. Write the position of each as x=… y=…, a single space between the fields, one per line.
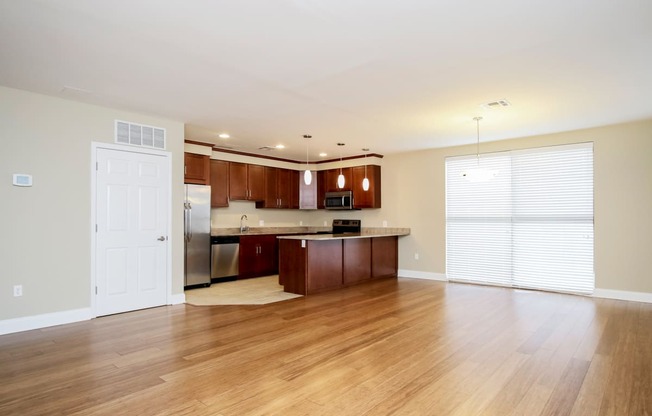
x=45 y=230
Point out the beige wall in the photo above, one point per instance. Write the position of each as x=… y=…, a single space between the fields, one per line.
x=46 y=238
x=45 y=241
x=623 y=201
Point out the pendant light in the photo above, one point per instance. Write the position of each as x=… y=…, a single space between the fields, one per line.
x=307 y=175
x=340 y=178
x=479 y=174
x=365 y=181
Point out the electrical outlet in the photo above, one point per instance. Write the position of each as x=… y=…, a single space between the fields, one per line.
x=325 y=223
x=416 y=256
x=18 y=290
x=385 y=223
x=300 y=223
x=261 y=223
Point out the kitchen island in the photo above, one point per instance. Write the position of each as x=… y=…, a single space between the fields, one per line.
x=314 y=263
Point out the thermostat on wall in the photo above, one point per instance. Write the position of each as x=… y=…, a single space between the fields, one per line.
x=21 y=179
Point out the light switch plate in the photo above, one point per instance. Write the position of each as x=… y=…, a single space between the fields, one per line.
x=22 y=179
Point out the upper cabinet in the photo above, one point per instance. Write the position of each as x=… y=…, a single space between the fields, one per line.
x=196 y=169
x=246 y=182
x=371 y=197
x=219 y=183
x=331 y=176
x=279 y=189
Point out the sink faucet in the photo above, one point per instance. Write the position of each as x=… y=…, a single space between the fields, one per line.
x=243 y=226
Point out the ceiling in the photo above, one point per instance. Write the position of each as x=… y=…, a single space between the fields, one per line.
x=385 y=75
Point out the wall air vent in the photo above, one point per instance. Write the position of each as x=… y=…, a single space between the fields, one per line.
x=139 y=135
x=497 y=104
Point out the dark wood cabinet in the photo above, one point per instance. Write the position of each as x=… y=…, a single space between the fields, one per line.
x=294 y=184
x=356 y=260
x=258 y=256
x=219 y=183
x=196 y=169
x=315 y=265
x=331 y=180
x=283 y=188
x=371 y=197
x=321 y=189
x=278 y=189
x=384 y=257
x=246 y=182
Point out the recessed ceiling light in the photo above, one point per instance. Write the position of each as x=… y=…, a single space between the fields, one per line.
x=224 y=135
x=280 y=146
x=322 y=154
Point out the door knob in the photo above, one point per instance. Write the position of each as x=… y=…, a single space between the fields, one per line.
x=161 y=238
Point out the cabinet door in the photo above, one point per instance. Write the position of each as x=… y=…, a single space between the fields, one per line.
x=196 y=169
x=248 y=256
x=384 y=257
x=321 y=188
x=331 y=179
x=295 y=193
x=283 y=188
x=219 y=183
x=356 y=260
x=371 y=197
x=267 y=255
x=256 y=182
x=271 y=196
x=238 y=181
x=258 y=256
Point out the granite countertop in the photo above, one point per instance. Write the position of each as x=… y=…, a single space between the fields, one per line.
x=268 y=230
x=310 y=233
x=366 y=233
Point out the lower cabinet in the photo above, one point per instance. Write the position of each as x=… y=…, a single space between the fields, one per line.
x=258 y=256
x=384 y=257
x=316 y=265
x=356 y=260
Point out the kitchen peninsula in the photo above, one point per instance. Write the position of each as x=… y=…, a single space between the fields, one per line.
x=315 y=263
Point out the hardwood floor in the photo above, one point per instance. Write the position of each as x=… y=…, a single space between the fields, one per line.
x=406 y=347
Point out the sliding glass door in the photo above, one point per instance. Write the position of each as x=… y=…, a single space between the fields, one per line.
x=522 y=218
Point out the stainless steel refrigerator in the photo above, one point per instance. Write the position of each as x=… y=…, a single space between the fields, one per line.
x=197 y=232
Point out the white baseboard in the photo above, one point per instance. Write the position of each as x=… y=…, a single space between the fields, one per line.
x=9 y=326
x=177 y=299
x=623 y=295
x=415 y=274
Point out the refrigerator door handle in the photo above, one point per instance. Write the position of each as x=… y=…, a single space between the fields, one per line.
x=189 y=222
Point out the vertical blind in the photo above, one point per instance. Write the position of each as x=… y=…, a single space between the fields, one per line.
x=530 y=225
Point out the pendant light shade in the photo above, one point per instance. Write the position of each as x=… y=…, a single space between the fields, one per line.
x=479 y=174
x=340 y=181
x=307 y=175
x=365 y=181
x=340 y=178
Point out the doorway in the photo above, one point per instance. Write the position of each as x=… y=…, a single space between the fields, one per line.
x=131 y=215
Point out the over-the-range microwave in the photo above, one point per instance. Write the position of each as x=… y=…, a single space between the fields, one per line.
x=339 y=200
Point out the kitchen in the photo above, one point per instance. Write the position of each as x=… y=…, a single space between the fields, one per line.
x=245 y=233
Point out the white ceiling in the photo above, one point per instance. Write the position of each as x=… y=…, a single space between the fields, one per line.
x=388 y=75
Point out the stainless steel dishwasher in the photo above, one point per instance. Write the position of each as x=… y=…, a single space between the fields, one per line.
x=225 y=256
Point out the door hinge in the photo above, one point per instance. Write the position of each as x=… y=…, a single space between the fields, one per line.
x=96 y=290
x=95 y=227
x=97 y=165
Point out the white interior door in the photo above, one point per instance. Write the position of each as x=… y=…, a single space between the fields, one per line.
x=131 y=238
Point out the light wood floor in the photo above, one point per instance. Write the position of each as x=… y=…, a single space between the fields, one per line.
x=406 y=347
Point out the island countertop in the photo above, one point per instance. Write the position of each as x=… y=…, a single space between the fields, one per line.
x=365 y=233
